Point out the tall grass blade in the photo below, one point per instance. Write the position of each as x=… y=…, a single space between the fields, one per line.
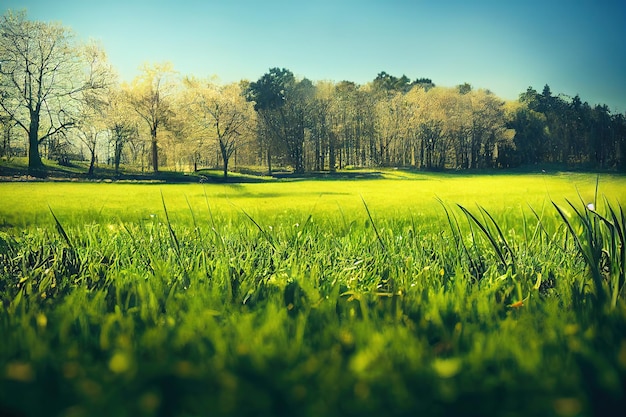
x=60 y=229
x=541 y=228
x=617 y=251
x=456 y=234
x=587 y=248
x=258 y=226
x=502 y=239
x=169 y=227
x=380 y=240
x=193 y=219
x=595 y=195
x=487 y=233
x=208 y=206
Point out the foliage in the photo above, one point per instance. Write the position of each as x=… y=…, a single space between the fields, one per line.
x=300 y=125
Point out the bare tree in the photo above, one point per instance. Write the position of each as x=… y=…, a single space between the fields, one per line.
x=41 y=77
x=222 y=114
x=93 y=105
x=151 y=98
x=122 y=124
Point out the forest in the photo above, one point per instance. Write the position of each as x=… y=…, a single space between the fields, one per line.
x=61 y=100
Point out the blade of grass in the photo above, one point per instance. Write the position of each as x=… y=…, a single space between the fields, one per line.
x=193 y=219
x=169 y=227
x=258 y=226
x=380 y=240
x=456 y=234
x=487 y=233
x=500 y=234
x=60 y=228
x=585 y=250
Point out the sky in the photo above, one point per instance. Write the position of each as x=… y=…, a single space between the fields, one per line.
x=506 y=46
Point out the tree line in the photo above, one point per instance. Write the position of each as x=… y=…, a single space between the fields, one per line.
x=61 y=99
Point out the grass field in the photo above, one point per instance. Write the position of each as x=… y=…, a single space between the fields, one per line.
x=396 y=195
x=377 y=296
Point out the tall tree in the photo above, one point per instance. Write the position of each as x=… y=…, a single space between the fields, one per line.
x=283 y=105
x=487 y=127
x=121 y=122
x=41 y=76
x=92 y=106
x=223 y=114
x=326 y=124
x=151 y=95
x=393 y=115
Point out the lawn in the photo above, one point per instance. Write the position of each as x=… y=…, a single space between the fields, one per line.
x=373 y=296
x=396 y=194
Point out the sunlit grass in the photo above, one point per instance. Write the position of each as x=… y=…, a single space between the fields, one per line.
x=403 y=195
x=413 y=294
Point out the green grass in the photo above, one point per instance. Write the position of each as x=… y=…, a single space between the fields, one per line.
x=302 y=297
x=399 y=194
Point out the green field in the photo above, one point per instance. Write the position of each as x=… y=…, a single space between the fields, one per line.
x=396 y=194
x=396 y=294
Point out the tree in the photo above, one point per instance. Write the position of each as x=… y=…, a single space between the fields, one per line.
x=464 y=88
x=41 y=76
x=431 y=122
x=393 y=115
x=92 y=106
x=223 y=114
x=91 y=128
x=283 y=105
x=323 y=132
x=151 y=94
x=121 y=122
x=603 y=144
x=487 y=127
x=403 y=84
x=530 y=134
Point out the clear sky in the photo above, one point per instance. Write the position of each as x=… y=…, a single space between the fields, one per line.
x=575 y=46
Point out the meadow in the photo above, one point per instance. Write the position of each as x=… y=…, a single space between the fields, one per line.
x=396 y=294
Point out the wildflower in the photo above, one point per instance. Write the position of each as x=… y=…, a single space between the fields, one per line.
x=591 y=206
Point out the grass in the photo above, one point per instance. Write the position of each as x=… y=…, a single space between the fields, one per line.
x=409 y=195
x=394 y=296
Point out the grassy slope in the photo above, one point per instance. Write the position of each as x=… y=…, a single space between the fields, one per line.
x=321 y=317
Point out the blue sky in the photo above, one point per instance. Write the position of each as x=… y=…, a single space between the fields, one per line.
x=575 y=46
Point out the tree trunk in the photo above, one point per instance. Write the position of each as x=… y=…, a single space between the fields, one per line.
x=225 y=158
x=318 y=152
x=332 y=159
x=117 y=157
x=35 y=166
x=92 y=162
x=155 y=154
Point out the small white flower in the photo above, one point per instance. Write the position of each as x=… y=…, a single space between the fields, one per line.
x=591 y=207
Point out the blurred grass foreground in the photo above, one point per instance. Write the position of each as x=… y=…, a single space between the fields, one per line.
x=420 y=294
